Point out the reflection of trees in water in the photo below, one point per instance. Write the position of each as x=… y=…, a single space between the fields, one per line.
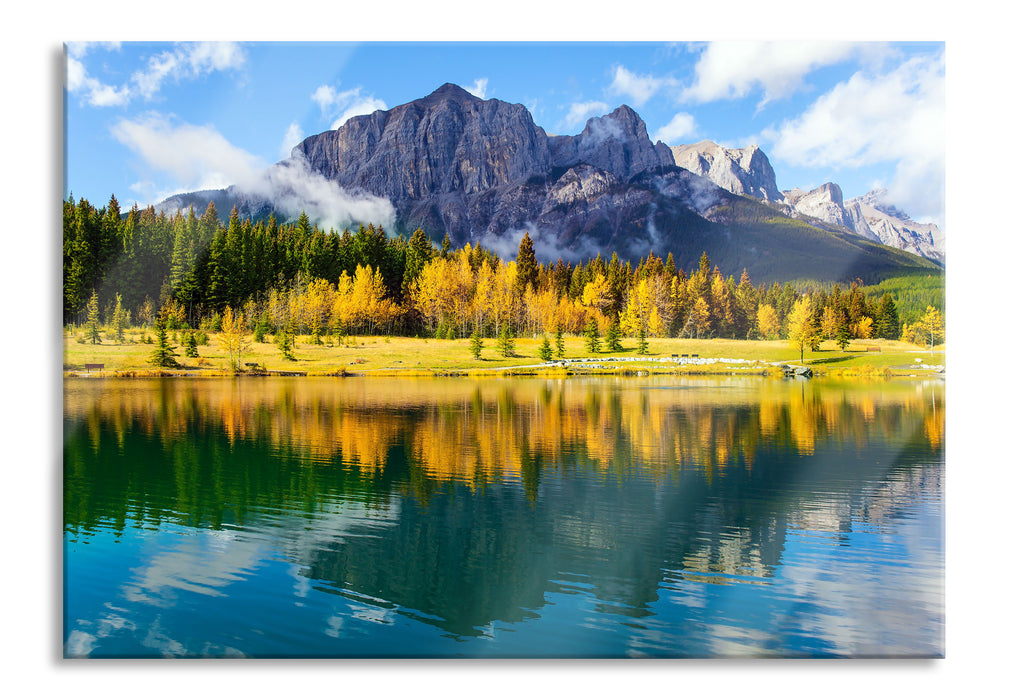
x=481 y=432
x=498 y=486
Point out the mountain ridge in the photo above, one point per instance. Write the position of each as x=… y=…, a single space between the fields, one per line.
x=481 y=171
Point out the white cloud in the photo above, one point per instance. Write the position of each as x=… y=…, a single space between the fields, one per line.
x=891 y=118
x=365 y=105
x=679 y=128
x=640 y=88
x=185 y=61
x=198 y=157
x=350 y=103
x=324 y=96
x=292 y=137
x=732 y=69
x=96 y=93
x=293 y=187
x=478 y=88
x=77 y=49
x=581 y=111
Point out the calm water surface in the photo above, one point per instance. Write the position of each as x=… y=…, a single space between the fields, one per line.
x=586 y=517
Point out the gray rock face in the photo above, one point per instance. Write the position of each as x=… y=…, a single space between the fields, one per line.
x=739 y=170
x=473 y=168
x=825 y=203
x=481 y=171
x=872 y=217
x=448 y=142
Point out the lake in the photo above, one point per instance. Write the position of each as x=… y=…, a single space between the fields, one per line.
x=503 y=517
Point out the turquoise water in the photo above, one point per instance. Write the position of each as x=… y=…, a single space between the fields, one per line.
x=578 y=517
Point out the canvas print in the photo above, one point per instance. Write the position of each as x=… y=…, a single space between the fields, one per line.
x=504 y=350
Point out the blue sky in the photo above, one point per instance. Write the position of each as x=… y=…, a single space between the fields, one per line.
x=145 y=120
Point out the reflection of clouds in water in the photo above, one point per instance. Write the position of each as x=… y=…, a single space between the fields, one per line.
x=334 y=624
x=368 y=613
x=205 y=564
x=79 y=643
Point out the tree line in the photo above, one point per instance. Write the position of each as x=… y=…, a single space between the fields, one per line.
x=190 y=270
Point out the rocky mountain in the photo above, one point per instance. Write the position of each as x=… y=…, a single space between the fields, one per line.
x=747 y=171
x=825 y=203
x=738 y=170
x=871 y=216
x=482 y=171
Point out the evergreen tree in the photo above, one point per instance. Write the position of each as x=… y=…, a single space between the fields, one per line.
x=642 y=340
x=843 y=334
x=259 y=332
x=612 y=339
x=592 y=336
x=889 y=321
x=559 y=342
x=284 y=344
x=506 y=342
x=119 y=319
x=545 y=352
x=92 y=328
x=164 y=354
x=190 y=341
x=526 y=263
x=476 y=344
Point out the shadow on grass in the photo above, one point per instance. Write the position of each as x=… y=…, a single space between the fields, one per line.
x=829 y=360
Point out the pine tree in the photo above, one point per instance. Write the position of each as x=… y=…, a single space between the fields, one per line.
x=259 y=332
x=119 y=319
x=284 y=344
x=190 y=341
x=545 y=351
x=526 y=262
x=164 y=354
x=506 y=342
x=612 y=339
x=476 y=344
x=843 y=333
x=889 y=321
x=642 y=340
x=592 y=336
x=92 y=327
x=559 y=342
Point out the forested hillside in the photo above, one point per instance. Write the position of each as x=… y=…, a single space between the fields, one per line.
x=190 y=268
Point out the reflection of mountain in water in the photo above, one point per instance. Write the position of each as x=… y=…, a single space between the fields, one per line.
x=472 y=502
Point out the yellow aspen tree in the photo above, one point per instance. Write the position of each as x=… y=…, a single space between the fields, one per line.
x=504 y=297
x=635 y=315
x=598 y=293
x=483 y=294
x=802 y=330
x=700 y=313
x=232 y=337
x=932 y=322
x=426 y=291
x=655 y=325
x=863 y=328
x=768 y=324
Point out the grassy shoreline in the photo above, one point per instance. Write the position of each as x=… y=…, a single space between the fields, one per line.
x=402 y=356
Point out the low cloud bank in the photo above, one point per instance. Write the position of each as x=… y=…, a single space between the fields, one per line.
x=292 y=187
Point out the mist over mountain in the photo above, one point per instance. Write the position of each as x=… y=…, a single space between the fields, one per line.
x=481 y=171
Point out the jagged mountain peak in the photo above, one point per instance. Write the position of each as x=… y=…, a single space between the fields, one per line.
x=738 y=170
x=449 y=91
x=483 y=171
